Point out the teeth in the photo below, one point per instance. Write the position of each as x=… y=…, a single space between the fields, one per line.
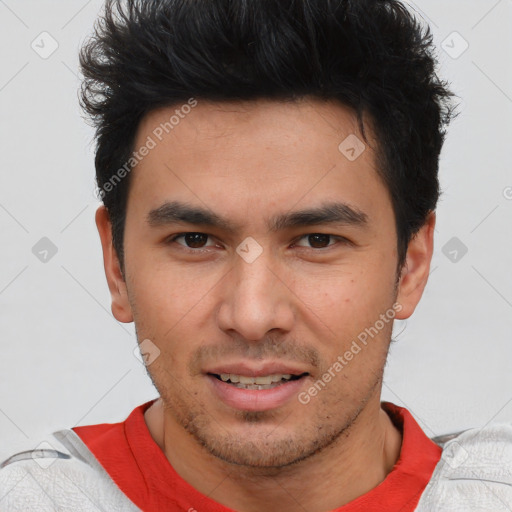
x=249 y=381
x=263 y=380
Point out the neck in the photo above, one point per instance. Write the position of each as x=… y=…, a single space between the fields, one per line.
x=353 y=465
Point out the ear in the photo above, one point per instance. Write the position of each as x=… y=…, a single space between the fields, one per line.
x=415 y=272
x=121 y=308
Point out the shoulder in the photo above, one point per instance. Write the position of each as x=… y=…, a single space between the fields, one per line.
x=60 y=474
x=473 y=474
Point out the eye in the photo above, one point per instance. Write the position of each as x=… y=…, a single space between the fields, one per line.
x=195 y=241
x=319 y=240
x=192 y=240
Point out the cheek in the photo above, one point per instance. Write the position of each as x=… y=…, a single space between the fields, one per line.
x=163 y=293
x=344 y=295
x=168 y=307
x=341 y=307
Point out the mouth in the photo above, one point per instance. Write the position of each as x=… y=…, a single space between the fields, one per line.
x=257 y=383
x=256 y=390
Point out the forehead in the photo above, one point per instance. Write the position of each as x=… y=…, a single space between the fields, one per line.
x=256 y=156
x=274 y=123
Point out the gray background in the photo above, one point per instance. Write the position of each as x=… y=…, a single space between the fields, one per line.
x=66 y=361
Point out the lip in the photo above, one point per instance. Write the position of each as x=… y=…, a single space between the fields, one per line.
x=251 y=370
x=256 y=399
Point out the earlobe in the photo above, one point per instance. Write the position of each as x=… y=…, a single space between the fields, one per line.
x=415 y=271
x=121 y=308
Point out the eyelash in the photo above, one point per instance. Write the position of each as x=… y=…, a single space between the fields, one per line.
x=173 y=238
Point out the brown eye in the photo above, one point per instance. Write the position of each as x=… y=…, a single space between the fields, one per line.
x=317 y=240
x=192 y=240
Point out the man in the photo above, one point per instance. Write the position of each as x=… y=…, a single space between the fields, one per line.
x=269 y=178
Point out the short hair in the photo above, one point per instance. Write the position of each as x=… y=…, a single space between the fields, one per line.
x=372 y=56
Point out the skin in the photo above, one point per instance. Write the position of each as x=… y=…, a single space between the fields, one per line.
x=298 y=303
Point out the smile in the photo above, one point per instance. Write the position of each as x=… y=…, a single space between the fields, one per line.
x=257 y=383
x=261 y=392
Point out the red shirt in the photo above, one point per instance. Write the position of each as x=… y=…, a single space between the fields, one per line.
x=140 y=469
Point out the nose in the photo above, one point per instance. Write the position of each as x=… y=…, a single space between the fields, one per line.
x=256 y=299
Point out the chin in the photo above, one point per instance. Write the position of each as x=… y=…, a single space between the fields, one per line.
x=257 y=445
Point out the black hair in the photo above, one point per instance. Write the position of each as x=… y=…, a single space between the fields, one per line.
x=373 y=56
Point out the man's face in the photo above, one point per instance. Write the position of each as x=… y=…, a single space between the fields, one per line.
x=261 y=298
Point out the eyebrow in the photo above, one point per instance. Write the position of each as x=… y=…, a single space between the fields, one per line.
x=328 y=213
